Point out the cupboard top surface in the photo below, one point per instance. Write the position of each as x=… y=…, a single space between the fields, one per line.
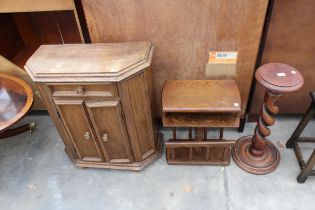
x=201 y=96
x=89 y=62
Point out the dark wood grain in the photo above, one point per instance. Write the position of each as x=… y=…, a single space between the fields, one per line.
x=13 y=42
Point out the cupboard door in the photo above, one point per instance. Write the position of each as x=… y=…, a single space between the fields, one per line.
x=110 y=129
x=73 y=115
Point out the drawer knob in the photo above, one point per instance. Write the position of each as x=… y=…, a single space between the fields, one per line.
x=105 y=137
x=87 y=135
x=79 y=90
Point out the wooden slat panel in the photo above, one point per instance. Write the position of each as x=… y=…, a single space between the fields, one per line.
x=183 y=31
x=214 y=120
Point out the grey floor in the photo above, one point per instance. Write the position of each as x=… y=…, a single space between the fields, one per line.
x=36 y=174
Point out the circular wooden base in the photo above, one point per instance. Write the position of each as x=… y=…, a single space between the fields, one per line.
x=264 y=164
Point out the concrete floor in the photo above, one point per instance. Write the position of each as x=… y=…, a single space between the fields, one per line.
x=36 y=174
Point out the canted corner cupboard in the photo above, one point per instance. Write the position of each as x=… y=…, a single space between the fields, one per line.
x=100 y=99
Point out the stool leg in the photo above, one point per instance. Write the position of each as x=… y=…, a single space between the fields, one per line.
x=221 y=133
x=299 y=129
x=199 y=134
x=190 y=133
x=242 y=124
x=307 y=169
x=174 y=139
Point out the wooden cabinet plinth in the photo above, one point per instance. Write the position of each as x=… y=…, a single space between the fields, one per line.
x=100 y=98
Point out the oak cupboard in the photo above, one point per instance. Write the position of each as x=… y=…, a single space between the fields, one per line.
x=100 y=98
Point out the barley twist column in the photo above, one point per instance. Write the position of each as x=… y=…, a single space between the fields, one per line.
x=256 y=154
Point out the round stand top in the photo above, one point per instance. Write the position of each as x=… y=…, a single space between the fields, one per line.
x=279 y=77
x=16 y=98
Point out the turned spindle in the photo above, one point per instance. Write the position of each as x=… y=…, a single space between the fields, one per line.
x=256 y=154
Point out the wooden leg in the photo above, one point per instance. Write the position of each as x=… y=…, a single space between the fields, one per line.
x=242 y=124
x=174 y=139
x=174 y=134
x=199 y=134
x=303 y=123
x=307 y=169
x=221 y=133
x=30 y=127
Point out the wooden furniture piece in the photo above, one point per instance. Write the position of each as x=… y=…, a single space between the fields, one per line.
x=290 y=39
x=255 y=154
x=16 y=99
x=200 y=104
x=182 y=41
x=306 y=169
x=100 y=98
x=29 y=24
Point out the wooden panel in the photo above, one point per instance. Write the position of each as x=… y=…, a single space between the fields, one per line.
x=152 y=112
x=185 y=152
x=53 y=112
x=11 y=42
x=214 y=120
x=110 y=130
x=183 y=32
x=74 y=118
x=136 y=106
x=86 y=89
x=291 y=40
x=35 y=5
x=68 y=27
x=200 y=96
x=27 y=28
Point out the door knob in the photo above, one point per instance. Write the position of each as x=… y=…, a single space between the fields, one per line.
x=87 y=135
x=79 y=90
x=105 y=137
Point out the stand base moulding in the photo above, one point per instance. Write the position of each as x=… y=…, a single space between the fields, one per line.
x=100 y=98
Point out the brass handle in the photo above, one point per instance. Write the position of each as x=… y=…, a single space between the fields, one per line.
x=87 y=135
x=105 y=137
x=37 y=93
x=79 y=90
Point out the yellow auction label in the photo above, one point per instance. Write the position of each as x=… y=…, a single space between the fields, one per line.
x=222 y=57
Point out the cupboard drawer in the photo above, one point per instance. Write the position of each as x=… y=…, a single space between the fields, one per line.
x=76 y=89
